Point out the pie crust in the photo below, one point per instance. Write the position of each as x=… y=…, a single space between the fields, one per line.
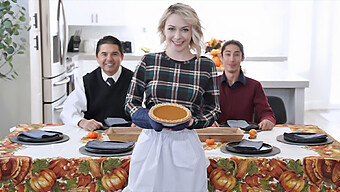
x=170 y=113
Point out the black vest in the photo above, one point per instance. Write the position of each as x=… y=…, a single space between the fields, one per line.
x=103 y=100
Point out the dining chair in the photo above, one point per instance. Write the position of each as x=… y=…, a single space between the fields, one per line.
x=279 y=109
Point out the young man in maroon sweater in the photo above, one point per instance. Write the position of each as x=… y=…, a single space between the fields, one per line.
x=240 y=95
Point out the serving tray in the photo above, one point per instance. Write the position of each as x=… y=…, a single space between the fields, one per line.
x=123 y=133
x=219 y=134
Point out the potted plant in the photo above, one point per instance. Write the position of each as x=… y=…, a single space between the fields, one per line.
x=13 y=23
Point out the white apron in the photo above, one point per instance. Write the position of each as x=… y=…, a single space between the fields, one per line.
x=168 y=161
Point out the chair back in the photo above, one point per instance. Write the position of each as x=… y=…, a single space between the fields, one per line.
x=279 y=109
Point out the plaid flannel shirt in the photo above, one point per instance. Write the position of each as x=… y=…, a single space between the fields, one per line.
x=192 y=83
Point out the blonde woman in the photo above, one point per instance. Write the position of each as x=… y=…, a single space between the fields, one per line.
x=172 y=158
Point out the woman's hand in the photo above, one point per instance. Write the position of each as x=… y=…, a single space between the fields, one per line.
x=266 y=125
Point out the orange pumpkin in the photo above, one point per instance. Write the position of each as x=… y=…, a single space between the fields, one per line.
x=210 y=141
x=43 y=180
x=217 y=61
x=114 y=179
x=290 y=181
x=222 y=180
x=215 y=52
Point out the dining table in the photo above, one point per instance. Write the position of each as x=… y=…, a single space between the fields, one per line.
x=62 y=166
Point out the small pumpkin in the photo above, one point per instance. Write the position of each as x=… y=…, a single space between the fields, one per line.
x=217 y=61
x=222 y=180
x=210 y=141
x=43 y=180
x=290 y=181
x=114 y=179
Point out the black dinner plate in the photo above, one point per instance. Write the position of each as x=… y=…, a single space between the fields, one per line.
x=281 y=139
x=59 y=136
x=109 y=151
x=16 y=140
x=83 y=151
x=294 y=137
x=266 y=148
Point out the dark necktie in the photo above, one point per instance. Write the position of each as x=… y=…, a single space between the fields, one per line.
x=110 y=81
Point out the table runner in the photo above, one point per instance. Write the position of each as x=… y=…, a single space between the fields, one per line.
x=312 y=173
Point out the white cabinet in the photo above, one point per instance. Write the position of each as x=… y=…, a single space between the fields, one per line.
x=99 y=12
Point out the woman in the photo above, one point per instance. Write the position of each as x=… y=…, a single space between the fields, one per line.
x=173 y=159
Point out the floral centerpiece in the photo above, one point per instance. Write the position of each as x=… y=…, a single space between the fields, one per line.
x=214 y=47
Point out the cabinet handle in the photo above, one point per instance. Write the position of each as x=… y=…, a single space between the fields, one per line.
x=91 y=18
x=60 y=107
x=96 y=18
x=36 y=42
x=35 y=20
x=62 y=82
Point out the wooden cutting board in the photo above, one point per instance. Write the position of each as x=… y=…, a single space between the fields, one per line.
x=219 y=134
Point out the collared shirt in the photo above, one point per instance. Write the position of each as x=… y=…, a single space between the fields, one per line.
x=241 y=79
x=191 y=83
x=114 y=76
x=239 y=100
x=76 y=103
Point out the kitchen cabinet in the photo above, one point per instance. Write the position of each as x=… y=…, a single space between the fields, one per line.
x=99 y=12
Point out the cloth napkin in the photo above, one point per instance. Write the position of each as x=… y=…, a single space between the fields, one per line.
x=108 y=145
x=302 y=137
x=112 y=121
x=249 y=145
x=39 y=134
x=238 y=123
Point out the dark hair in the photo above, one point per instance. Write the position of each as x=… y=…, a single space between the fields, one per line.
x=109 y=40
x=234 y=42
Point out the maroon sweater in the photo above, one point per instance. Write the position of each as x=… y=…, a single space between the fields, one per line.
x=239 y=101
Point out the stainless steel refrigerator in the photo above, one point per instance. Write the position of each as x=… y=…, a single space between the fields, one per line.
x=54 y=37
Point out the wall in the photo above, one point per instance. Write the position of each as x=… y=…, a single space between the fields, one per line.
x=304 y=31
x=15 y=95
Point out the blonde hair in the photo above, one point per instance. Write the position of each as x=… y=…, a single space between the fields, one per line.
x=191 y=17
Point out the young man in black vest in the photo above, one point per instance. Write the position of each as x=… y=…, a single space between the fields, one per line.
x=101 y=93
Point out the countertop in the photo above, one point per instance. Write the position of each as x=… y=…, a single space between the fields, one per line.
x=271 y=74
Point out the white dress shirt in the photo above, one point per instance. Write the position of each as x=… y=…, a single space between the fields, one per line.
x=76 y=103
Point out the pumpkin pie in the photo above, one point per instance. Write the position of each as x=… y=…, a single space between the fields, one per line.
x=170 y=114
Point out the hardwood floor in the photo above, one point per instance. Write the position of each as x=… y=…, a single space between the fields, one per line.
x=328 y=120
